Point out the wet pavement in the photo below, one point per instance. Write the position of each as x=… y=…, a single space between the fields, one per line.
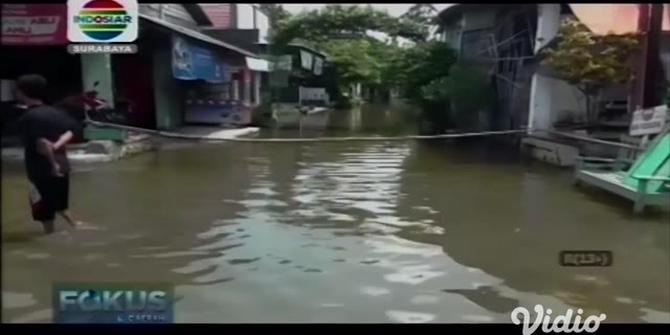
x=433 y=231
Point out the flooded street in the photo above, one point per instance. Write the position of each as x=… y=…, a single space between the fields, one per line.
x=432 y=231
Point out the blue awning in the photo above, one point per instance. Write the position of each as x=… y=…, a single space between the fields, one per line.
x=197 y=35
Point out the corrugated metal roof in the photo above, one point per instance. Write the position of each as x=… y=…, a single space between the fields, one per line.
x=219 y=14
x=197 y=35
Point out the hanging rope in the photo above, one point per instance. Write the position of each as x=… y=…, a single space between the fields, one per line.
x=313 y=139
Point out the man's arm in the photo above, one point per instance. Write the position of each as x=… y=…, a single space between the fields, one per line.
x=68 y=126
x=64 y=139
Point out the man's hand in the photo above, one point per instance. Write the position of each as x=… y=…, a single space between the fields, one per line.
x=44 y=146
x=63 y=140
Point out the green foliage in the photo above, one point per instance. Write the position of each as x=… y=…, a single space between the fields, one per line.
x=355 y=61
x=421 y=72
x=277 y=15
x=465 y=89
x=419 y=66
x=350 y=22
x=590 y=61
x=468 y=88
x=423 y=15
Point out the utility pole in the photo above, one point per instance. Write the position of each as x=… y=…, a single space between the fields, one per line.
x=654 y=75
x=647 y=70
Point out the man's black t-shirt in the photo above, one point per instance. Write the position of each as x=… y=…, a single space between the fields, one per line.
x=44 y=122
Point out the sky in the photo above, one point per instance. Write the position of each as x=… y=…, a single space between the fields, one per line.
x=395 y=9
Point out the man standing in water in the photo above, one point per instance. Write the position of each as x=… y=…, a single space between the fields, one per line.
x=45 y=131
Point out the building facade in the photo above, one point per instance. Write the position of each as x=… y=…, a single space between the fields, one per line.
x=160 y=96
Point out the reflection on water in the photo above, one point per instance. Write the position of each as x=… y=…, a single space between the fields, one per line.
x=340 y=232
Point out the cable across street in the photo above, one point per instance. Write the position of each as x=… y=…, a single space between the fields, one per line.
x=192 y=137
x=168 y=134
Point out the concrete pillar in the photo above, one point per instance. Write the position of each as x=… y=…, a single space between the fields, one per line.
x=236 y=89
x=98 y=68
x=539 y=117
x=257 y=87
x=539 y=111
x=167 y=93
x=246 y=79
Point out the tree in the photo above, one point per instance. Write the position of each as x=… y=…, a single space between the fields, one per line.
x=349 y=22
x=423 y=15
x=591 y=62
x=418 y=66
x=276 y=14
x=354 y=60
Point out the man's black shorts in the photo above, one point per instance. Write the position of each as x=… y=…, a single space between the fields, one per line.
x=54 y=195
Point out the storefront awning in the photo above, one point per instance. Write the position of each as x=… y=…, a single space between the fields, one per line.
x=256 y=64
x=195 y=34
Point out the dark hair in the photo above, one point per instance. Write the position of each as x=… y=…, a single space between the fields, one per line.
x=33 y=86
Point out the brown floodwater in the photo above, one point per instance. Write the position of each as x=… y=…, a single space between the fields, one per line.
x=415 y=231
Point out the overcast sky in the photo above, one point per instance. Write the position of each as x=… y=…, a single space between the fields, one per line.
x=395 y=9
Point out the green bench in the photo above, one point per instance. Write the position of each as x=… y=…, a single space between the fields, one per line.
x=646 y=182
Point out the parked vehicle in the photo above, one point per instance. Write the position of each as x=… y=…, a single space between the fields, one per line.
x=89 y=106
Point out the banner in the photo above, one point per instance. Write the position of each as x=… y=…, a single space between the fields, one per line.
x=190 y=62
x=648 y=121
x=43 y=24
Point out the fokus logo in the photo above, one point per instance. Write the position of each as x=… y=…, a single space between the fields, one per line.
x=102 y=21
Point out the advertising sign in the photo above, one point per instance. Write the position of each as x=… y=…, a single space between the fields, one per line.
x=43 y=24
x=649 y=121
x=190 y=62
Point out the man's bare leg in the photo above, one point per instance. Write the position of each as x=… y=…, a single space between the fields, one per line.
x=48 y=226
x=70 y=220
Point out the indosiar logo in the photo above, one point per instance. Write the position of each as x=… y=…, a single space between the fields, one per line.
x=102 y=21
x=113 y=303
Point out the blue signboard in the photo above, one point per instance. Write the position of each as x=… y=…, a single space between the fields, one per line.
x=190 y=62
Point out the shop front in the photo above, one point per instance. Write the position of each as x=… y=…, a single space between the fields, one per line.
x=34 y=39
x=210 y=83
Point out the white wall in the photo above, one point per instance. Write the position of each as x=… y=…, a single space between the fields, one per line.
x=554 y=100
x=548 y=22
x=452 y=35
x=246 y=20
x=263 y=26
x=567 y=103
x=539 y=111
x=245 y=16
